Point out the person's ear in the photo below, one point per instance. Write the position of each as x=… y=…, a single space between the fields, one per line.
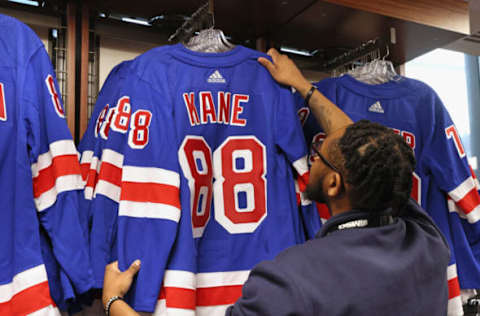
x=334 y=184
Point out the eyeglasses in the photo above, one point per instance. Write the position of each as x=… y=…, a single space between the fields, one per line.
x=315 y=152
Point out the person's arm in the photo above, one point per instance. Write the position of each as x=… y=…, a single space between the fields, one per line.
x=284 y=71
x=120 y=308
x=117 y=283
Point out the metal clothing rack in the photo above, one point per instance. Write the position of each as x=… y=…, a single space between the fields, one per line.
x=365 y=52
x=202 y=18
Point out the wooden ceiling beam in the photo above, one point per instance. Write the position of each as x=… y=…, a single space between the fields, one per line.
x=450 y=15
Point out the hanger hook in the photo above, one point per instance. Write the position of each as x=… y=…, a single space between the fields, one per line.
x=213 y=20
x=387 y=53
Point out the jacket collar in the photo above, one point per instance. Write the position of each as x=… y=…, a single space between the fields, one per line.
x=352 y=219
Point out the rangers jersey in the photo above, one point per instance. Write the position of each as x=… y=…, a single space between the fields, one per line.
x=40 y=173
x=201 y=145
x=101 y=220
x=414 y=111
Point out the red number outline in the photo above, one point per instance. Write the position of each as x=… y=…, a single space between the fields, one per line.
x=121 y=115
x=57 y=104
x=3 y=104
x=135 y=128
x=451 y=132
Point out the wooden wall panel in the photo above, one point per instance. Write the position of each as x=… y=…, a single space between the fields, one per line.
x=84 y=70
x=71 y=45
x=451 y=15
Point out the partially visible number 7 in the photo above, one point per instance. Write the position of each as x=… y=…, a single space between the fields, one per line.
x=451 y=132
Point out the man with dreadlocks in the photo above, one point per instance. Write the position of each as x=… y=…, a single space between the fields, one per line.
x=379 y=254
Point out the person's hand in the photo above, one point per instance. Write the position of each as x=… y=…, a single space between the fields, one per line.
x=117 y=283
x=284 y=71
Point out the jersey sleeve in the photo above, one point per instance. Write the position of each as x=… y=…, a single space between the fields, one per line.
x=102 y=162
x=289 y=135
x=139 y=178
x=291 y=140
x=61 y=292
x=55 y=170
x=445 y=158
x=100 y=198
x=89 y=160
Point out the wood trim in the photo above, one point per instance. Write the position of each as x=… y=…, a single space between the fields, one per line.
x=83 y=122
x=261 y=44
x=451 y=15
x=32 y=18
x=71 y=33
x=400 y=69
x=211 y=6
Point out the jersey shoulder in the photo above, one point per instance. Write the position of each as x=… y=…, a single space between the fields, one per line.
x=150 y=61
x=327 y=82
x=18 y=42
x=119 y=70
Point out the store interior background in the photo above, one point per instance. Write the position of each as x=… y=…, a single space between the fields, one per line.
x=439 y=46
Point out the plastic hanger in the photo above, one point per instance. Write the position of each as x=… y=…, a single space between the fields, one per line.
x=210 y=40
x=207 y=38
x=377 y=71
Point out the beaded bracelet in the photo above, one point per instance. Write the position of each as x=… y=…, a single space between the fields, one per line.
x=110 y=302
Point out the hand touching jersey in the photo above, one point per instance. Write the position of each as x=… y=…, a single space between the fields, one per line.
x=284 y=71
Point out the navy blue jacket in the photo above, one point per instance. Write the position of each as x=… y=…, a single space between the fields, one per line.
x=395 y=269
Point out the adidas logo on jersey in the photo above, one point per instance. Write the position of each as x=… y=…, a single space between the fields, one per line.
x=376 y=107
x=216 y=77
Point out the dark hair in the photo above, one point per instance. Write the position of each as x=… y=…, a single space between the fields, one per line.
x=378 y=166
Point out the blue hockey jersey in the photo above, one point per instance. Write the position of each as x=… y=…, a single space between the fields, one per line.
x=40 y=173
x=101 y=219
x=414 y=111
x=211 y=137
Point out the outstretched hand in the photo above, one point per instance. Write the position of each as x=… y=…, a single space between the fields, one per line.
x=284 y=70
x=116 y=282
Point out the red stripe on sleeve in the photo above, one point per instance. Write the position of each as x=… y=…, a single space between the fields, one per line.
x=84 y=168
x=110 y=173
x=27 y=301
x=151 y=192
x=474 y=176
x=453 y=288
x=470 y=201
x=61 y=166
x=303 y=181
x=178 y=297
x=323 y=211
x=92 y=178
x=219 y=295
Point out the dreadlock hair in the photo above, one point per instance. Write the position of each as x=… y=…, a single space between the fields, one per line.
x=378 y=165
